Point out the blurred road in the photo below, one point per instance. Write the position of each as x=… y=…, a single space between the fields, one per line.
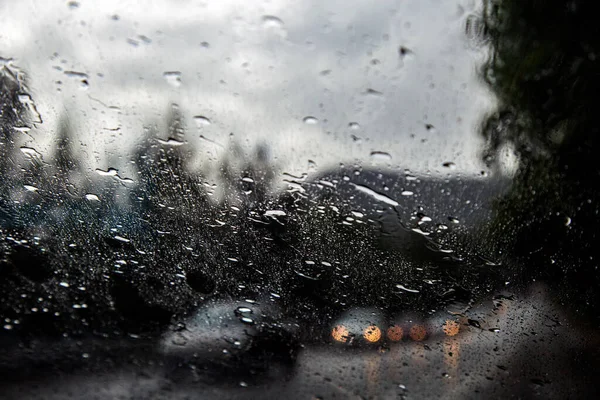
x=525 y=348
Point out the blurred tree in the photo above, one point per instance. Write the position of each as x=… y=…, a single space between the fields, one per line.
x=258 y=176
x=66 y=165
x=167 y=186
x=544 y=71
x=13 y=116
x=247 y=181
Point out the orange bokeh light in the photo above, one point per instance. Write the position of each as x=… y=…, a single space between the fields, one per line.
x=372 y=334
x=340 y=334
x=395 y=333
x=418 y=333
x=451 y=328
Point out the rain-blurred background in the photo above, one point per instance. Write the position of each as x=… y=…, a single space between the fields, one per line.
x=312 y=83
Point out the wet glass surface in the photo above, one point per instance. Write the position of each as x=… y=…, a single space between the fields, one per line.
x=298 y=199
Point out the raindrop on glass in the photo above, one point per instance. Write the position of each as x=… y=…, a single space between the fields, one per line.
x=201 y=121
x=173 y=78
x=380 y=156
x=170 y=142
x=373 y=92
x=449 y=164
x=271 y=21
x=31 y=152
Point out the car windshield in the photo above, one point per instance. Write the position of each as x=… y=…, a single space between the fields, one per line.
x=312 y=199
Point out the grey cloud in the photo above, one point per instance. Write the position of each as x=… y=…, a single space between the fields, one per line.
x=267 y=99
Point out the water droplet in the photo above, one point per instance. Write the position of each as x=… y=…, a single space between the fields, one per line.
x=423 y=218
x=275 y=213
x=64 y=284
x=173 y=78
x=31 y=152
x=212 y=142
x=373 y=92
x=454 y=220
x=375 y=195
x=310 y=120
x=171 y=142
x=354 y=126
x=109 y=172
x=380 y=156
x=326 y=183
x=122 y=239
x=76 y=75
x=113 y=173
x=274 y=26
x=401 y=287
x=449 y=164
x=403 y=51
x=92 y=197
x=407 y=193
x=201 y=121
x=474 y=323
x=420 y=231
x=271 y=21
x=30 y=188
x=247 y=320
x=80 y=76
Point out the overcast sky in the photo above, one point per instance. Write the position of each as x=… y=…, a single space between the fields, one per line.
x=257 y=70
